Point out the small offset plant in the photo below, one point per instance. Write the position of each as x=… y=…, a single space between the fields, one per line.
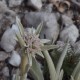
x=31 y=44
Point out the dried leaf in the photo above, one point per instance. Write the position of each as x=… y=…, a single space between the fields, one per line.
x=44 y=41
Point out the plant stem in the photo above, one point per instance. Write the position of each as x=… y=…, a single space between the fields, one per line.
x=53 y=75
x=24 y=62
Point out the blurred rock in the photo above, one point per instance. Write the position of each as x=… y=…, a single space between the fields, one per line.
x=70 y=33
x=2 y=65
x=7 y=17
x=67 y=21
x=76 y=47
x=50 y=26
x=3 y=56
x=14 y=3
x=37 y=4
x=47 y=8
x=15 y=59
x=8 y=40
x=5 y=71
x=44 y=0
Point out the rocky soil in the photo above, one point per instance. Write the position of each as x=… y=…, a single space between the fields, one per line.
x=61 y=22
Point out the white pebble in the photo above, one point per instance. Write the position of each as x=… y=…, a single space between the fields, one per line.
x=8 y=40
x=35 y=3
x=70 y=33
x=5 y=71
x=15 y=59
x=14 y=3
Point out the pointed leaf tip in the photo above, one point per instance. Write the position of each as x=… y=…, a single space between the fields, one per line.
x=39 y=28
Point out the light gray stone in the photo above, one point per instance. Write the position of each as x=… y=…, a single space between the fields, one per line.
x=7 y=17
x=3 y=56
x=67 y=20
x=70 y=33
x=14 y=3
x=5 y=71
x=47 y=8
x=50 y=26
x=37 y=4
x=8 y=40
x=15 y=59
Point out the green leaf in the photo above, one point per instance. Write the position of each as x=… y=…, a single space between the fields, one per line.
x=44 y=41
x=48 y=47
x=77 y=77
x=17 y=77
x=20 y=39
x=29 y=63
x=61 y=74
x=39 y=28
x=35 y=70
x=30 y=59
x=52 y=71
x=40 y=54
x=20 y=26
x=61 y=59
x=76 y=70
x=72 y=78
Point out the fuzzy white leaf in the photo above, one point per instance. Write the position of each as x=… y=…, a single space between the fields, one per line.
x=39 y=28
x=76 y=70
x=61 y=59
x=20 y=39
x=20 y=26
x=53 y=74
x=48 y=47
x=61 y=74
x=44 y=41
x=40 y=54
x=35 y=70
